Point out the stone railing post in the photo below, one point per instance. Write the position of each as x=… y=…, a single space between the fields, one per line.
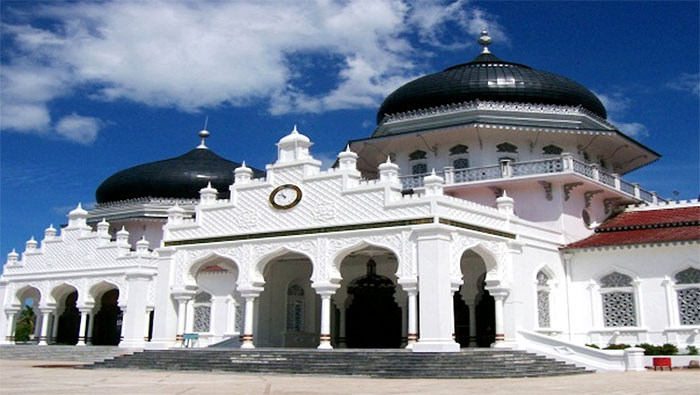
x=616 y=180
x=636 y=190
x=595 y=171
x=506 y=169
x=634 y=359
x=449 y=175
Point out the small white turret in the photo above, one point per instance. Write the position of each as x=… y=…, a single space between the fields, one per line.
x=49 y=233
x=103 y=231
x=123 y=242
x=242 y=174
x=77 y=218
x=388 y=171
x=293 y=147
x=208 y=195
x=433 y=184
x=142 y=247
x=505 y=204
x=175 y=215
x=347 y=160
x=12 y=258
x=30 y=246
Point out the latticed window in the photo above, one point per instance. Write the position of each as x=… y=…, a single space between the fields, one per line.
x=618 y=300
x=543 y=291
x=202 y=312
x=295 y=308
x=689 y=296
x=419 y=168
x=461 y=163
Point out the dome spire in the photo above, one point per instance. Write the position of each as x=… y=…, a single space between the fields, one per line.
x=485 y=40
x=203 y=134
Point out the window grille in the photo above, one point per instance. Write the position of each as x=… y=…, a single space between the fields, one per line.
x=543 y=293
x=295 y=308
x=688 y=297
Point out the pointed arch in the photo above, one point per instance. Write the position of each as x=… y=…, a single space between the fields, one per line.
x=341 y=254
x=212 y=257
x=96 y=289
x=486 y=254
x=264 y=260
x=19 y=296
x=62 y=290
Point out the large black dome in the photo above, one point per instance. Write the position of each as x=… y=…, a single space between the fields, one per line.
x=180 y=177
x=490 y=79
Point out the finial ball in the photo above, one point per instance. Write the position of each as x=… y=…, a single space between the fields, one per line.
x=485 y=39
x=203 y=133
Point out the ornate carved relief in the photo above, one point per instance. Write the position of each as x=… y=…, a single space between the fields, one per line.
x=547 y=189
x=588 y=195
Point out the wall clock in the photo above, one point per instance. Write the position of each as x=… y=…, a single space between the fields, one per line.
x=285 y=196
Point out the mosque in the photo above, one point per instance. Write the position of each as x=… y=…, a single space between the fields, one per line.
x=487 y=209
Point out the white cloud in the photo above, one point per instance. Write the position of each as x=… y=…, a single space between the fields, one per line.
x=617 y=104
x=686 y=82
x=79 y=129
x=195 y=55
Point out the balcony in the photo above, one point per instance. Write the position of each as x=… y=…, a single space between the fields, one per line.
x=564 y=164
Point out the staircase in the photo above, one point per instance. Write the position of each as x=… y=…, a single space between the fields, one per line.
x=469 y=363
x=87 y=354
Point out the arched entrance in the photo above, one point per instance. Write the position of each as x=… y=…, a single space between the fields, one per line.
x=373 y=317
x=108 y=320
x=461 y=313
x=27 y=322
x=68 y=320
x=289 y=309
x=213 y=311
x=370 y=308
x=474 y=307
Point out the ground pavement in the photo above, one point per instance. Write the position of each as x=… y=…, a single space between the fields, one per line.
x=24 y=377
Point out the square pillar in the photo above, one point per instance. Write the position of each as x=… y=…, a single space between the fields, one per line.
x=435 y=288
x=135 y=316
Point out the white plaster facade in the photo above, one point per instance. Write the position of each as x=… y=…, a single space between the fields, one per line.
x=489 y=230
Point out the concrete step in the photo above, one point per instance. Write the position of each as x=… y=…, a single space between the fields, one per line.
x=485 y=363
x=87 y=354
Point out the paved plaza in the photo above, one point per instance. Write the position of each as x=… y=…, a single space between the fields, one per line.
x=24 y=377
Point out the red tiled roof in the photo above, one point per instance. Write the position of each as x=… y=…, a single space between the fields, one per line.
x=646 y=226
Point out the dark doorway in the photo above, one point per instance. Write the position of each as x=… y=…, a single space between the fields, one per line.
x=373 y=319
x=485 y=319
x=461 y=314
x=108 y=321
x=69 y=321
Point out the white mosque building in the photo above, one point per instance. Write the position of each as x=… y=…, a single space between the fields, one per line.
x=488 y=208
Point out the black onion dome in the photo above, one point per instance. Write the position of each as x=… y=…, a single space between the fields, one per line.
x=180 y=177
x=488 y=78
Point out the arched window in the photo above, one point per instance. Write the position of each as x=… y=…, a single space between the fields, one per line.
x=295 y=308
x=459 y=154
x=552 y=150
x=459 y=149
x=688 y=291
x=618 y=297
x=418 y=164
x=202 y=312
x=543 y=306
x=507 y=147
x=417 y=155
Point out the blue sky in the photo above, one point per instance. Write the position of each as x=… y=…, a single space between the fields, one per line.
x=90 y=88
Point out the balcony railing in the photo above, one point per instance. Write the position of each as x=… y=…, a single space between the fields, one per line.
x=508 y=169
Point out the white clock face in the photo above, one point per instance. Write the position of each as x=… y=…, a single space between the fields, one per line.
x=285 y=196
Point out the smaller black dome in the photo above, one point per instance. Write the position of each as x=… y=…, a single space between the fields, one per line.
x=180 y=177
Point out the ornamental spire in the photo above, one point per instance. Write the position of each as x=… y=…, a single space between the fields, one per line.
x=485 y=40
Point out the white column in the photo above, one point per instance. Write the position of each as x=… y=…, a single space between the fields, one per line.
x=435 y=287
x=248 y=320
x=472 y=325
x=498 y=296
x=10 y=332
x=91 y=325
x=412 y=317
x=181 y=313
x=54 y=326
x=45 y=315
x=83 y=325
x=189 y=317
x=325 y=338
x=231 y=315
x=671 y=315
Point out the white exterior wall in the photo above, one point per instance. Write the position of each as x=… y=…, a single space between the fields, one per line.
x=650 y=265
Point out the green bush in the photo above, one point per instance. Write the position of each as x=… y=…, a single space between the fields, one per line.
x=593 y=346
x=692 y=350
x=617 y=346
x=666 y=349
